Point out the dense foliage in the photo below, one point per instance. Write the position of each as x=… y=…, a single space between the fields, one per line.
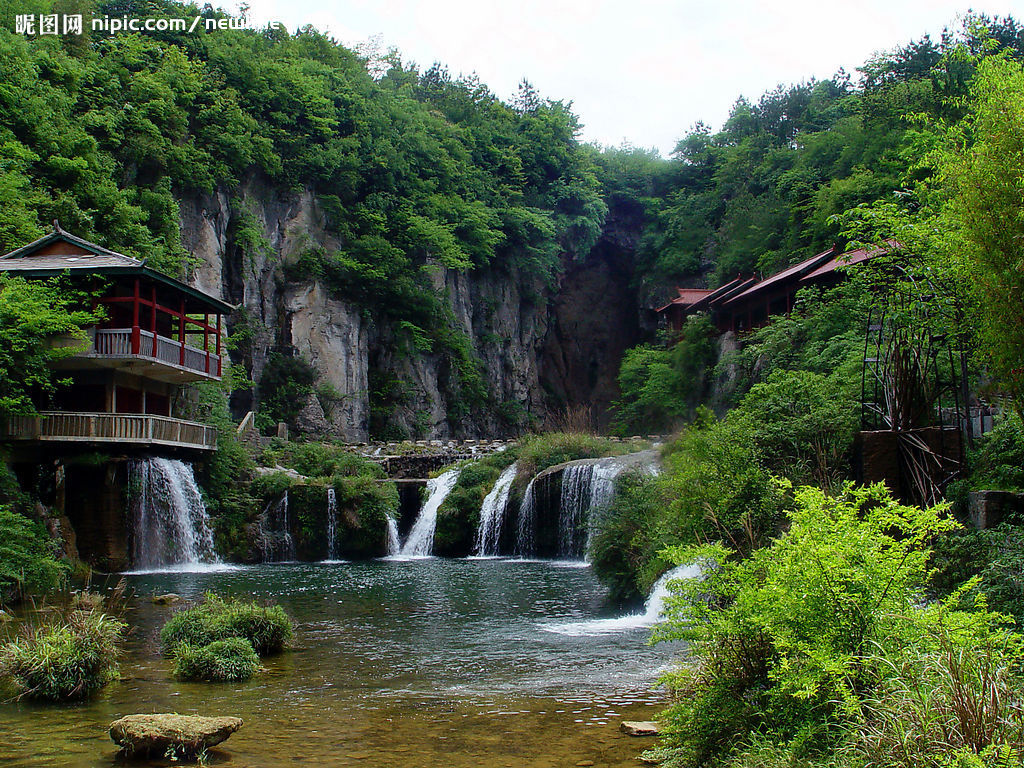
x=266 y=628
x=222 y=661
x=817 y=648
x=28 y=562
x=32 y=313
x=66 y=658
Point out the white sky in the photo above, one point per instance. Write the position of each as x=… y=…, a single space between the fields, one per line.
x=637 y=71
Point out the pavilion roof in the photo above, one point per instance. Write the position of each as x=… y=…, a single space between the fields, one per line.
x=61 y=252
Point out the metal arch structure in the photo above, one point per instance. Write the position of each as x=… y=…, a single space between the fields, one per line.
x=914 y=383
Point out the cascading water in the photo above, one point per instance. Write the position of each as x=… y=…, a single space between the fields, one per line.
x=574 y=505
x=394 y=546
x=421 y=538
x=278 y=544
x=170 y=526
x=651 y=614
x=527 y=520
x=492 y=513
x=332 y=524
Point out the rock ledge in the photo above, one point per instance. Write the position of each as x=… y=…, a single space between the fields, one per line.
x=170 y=734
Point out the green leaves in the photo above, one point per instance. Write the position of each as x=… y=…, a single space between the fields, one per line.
x=785 y=640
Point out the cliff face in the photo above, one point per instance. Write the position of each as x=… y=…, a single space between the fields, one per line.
x=542 y=348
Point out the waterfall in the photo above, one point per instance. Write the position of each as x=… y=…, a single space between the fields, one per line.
x=574 y=505
x=277 y=542
x=332 y=524
x=169 y=523
x=651 y=614
x=393 y=544
x=492 y=513
x=527 y=515
x=421 y=538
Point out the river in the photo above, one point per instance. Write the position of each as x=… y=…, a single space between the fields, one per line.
x=479 y=662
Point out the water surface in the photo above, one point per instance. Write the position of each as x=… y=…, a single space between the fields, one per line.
x=413 y=663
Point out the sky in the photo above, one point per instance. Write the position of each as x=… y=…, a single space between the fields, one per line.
x=641 y=72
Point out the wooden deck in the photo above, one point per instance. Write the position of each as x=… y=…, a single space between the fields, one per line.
x=104 y=428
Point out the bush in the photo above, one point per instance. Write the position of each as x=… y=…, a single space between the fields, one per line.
x=71 y=658
x=998 y=460
x=784 y=643
x=993 y=557
x=266 y=628
x=27 y=557
x=323 y=460
x=230 y=660
x=803 y=424
x=661 y=387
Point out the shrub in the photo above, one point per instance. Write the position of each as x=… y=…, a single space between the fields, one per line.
x=998 y=460
x=783 y=643
x=266 y=628
x=995 y=556
x=803 y=424
x=323 y=460
x=70 y=658
x=27 y=559
x=662 y=387
x=230 y=660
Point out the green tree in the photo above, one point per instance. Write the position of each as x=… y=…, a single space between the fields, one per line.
x=40 y=322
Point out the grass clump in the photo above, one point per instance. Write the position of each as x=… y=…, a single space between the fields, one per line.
x=539 y=452
x=266 y=628
x=66 y=659
x=222 y=661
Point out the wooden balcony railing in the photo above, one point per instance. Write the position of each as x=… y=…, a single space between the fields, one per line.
x=136 y=429
x=135 y=342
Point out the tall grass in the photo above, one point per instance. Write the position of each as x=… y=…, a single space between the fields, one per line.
x=69 y=657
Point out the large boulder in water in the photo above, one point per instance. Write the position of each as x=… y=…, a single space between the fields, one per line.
x=170 y=734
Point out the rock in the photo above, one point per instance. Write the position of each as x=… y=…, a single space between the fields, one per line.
x=169 y=599
x=179 y=735
x=639 y=728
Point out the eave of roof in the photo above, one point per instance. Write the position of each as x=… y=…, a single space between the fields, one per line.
x=779 y=277
x=111 y=263
x=845 y=259
x=686 y=297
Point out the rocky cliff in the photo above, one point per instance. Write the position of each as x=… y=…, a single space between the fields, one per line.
x=542 y=348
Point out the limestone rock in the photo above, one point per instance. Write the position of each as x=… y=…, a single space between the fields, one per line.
x=180 y=735
x=168 y=599
x=639 y=728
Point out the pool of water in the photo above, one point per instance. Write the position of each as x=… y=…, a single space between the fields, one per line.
x=394 y=663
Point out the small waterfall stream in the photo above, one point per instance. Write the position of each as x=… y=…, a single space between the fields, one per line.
x=574 y=506
x=527 y=521
x=492 y=513
x=394 y=545
x=332 y=524
x=169 y=523
x=420 y=542
x=650 y=615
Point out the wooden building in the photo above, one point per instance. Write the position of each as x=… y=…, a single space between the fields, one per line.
x=158 y=335
x=746 y=303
